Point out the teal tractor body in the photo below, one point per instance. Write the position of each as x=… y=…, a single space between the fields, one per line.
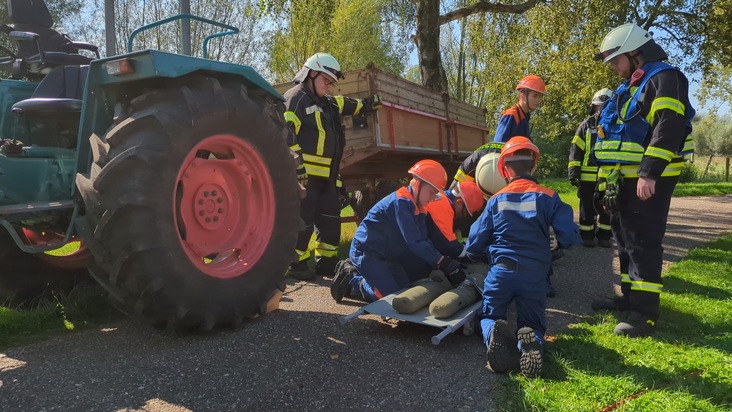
x=171 y=174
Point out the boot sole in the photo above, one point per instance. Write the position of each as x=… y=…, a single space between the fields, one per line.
x=531 y=361
x=339 y=287
x=502 y=349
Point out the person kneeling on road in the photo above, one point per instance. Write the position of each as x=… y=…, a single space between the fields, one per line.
x=512 y=232
x=391 y=247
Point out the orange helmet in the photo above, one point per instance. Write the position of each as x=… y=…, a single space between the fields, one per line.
x=532 y=82
x=471 y=195
x=513 y=145
x=431 y=172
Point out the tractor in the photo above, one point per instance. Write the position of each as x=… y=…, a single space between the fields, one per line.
x=170 y=174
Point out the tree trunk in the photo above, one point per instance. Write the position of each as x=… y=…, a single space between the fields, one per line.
x=706 y=169
x=428 y=45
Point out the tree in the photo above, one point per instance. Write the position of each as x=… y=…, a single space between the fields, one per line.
x=429 y=20
x=713 y=137
x=351 y=30
x=246 y=47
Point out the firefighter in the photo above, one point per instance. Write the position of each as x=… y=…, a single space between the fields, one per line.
x=582 y=173
x=512 y=233
x=391 y=246
x=515 y=120
x=314 y=118
x=464 y=200
x=467 y=169
x=643 y=130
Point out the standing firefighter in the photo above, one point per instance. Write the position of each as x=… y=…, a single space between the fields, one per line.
x=644 y=129
x=515 y=120
x=315 y=121
x=583 y=175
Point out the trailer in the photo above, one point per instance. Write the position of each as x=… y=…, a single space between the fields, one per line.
x=415 y=123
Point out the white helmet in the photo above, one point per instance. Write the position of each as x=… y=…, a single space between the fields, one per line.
x=487 y=177
x=324 y=63
x=622 y=39
x=600 y=96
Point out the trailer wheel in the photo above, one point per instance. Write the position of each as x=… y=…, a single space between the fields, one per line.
x=192 y=206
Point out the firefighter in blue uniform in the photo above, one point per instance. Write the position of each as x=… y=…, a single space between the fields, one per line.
x=582 y=173
x=314 y=118
x=644 y=130
x=515 y=120
x=391 y=246
x=512 y=233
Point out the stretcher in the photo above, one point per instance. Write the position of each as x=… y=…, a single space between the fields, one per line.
x=382 y=307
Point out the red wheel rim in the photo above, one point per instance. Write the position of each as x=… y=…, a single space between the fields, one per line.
x=225 y=206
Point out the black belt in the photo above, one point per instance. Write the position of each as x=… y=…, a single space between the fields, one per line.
x=507 y=264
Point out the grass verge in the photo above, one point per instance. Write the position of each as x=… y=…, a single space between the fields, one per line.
x=56 y=314
x=686 y=366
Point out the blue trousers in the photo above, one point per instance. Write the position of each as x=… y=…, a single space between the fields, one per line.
x=379 y=277
x=526 y=286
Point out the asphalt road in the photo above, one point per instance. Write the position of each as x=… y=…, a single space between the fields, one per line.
x=300 y=358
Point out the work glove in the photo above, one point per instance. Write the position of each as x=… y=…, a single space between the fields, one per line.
x=612 y=192
x=374 y=102
x=453 y=271
x=574 y=176
x=342 y=192
x=302 y=176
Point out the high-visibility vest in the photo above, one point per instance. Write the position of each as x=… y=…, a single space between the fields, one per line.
x=622 y=130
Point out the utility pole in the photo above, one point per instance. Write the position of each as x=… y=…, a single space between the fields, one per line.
x=110 y=32
x=185 y=27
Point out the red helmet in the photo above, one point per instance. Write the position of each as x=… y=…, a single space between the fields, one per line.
x=532 y=82
x=431 y=172
x=471 y=195
x=513 y=145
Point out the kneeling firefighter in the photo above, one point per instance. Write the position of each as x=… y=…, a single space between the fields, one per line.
x=391 y=247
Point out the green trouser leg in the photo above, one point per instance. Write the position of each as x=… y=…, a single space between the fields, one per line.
x=419 y=296
x=455 y=299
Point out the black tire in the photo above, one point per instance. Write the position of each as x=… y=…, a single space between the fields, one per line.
x=143 y=226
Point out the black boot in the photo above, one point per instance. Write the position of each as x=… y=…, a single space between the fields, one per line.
x=531 y=360
x=618 y=303
x=605 y=243
x=340 y=285
x=300 y=271
x=503 y=353
x=636 y=325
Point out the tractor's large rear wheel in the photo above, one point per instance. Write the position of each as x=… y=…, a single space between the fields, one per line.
x=192 y=206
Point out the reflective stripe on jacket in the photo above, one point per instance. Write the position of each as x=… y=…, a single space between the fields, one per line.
x=515 y=225
x=582 y=163
x=316 y=124
x=647 y=121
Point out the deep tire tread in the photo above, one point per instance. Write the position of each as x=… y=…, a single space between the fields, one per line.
x=140 y=259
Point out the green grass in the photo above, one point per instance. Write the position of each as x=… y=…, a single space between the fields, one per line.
x=568 y=193
x=81 y=308
x=686 y=366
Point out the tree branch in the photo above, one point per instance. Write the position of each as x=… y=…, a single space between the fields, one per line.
x=487 y=7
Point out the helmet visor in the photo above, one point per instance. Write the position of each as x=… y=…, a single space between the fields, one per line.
x=337 y=74
x=604 y=54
